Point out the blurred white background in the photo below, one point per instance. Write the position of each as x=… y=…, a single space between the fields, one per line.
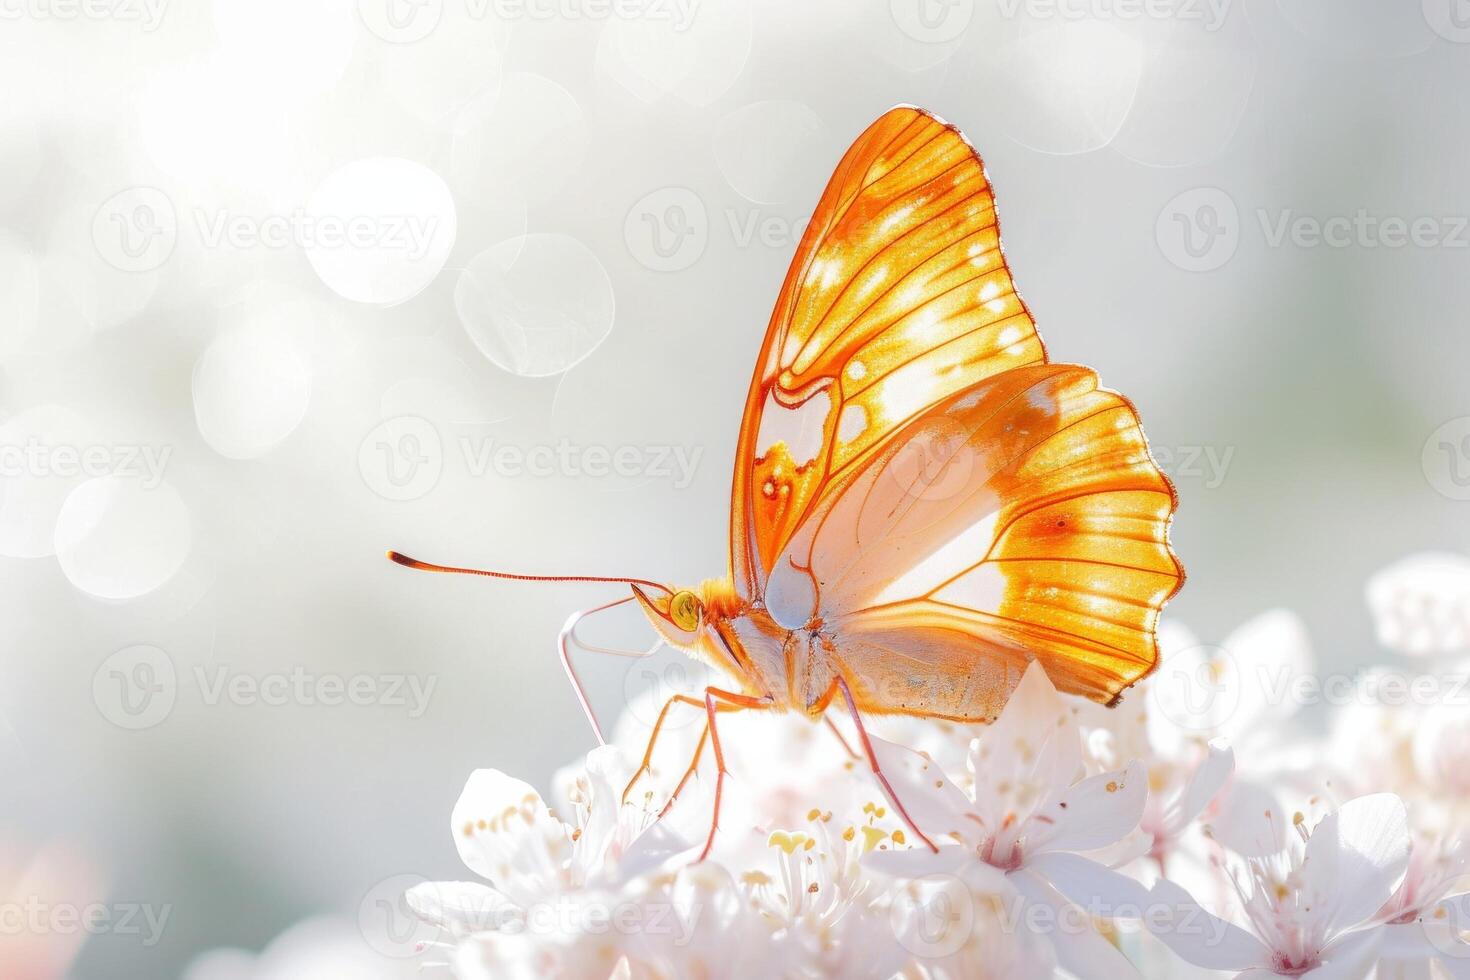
x=284 y=283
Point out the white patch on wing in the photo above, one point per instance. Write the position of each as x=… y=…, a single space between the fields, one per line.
x=800 y=428
x=791 y=596
x=952 y=558
x=852 y=423
x=982 y=589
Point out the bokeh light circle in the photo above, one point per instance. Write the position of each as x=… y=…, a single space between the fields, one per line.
x=251 y=389
x=379 y=230
x=118 y=538
x=536 y=305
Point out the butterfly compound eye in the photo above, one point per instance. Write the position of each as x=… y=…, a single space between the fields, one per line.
x=684 y=610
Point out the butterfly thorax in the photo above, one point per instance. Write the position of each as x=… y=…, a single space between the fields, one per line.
x=796 y=668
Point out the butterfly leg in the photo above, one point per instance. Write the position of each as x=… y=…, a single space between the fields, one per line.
x=840 y=737
x=857 y=719
x=738 y=701
x=646 y=766
x=568 y=636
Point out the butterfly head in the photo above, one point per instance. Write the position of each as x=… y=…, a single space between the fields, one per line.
x=677 y=614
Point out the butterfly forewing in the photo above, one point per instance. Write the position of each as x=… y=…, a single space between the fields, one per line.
x=898 y=296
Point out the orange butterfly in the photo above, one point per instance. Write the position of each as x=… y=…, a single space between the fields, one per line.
x=922 y=503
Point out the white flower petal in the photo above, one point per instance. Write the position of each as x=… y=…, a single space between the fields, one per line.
x=1103 y=892
x=1204 y=785
x=1250 y=821
x=934 y=803
x=1355 y=860
x=1421 y=605
x=1267 y=653
x=920 y=862
x=1198 y=937
x=1031 y=751
x=1080 y=950
x=505 y=833
x=462 y=907
x=1349 y=958
x=1092 y=814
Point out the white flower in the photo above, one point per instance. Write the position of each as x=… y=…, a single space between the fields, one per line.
x=1441 y=749
x=1021 y=831
x=1428 y=915
x=825 y=908
x=325 y=948
x=564 y=892
x=1185 y=772
x=1421 y=605
x=1313 y=908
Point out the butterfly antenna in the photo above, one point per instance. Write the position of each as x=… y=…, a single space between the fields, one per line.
x=425 y=566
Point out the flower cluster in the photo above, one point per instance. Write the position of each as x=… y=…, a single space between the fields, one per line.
x=1198 y=825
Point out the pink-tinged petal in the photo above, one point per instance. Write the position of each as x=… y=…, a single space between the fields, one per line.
x=934 y=803
x=1031 y=751
x=1103 y=892
x=462 y=907
x=920 y=862
x=1204 y=785
x=1250 y=821
x=1267 y=654
x=1350 y=958
x=1080 y=950
x=1419 y=604
x=506 y=834
x=1355 y=860
x=1438 y=935
x=1098 y=811
x=1197 y=936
